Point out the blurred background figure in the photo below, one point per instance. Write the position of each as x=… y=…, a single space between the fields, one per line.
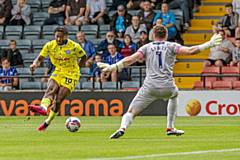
x=21 y=13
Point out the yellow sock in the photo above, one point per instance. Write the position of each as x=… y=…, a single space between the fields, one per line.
x=50 y=117
x=46 y=102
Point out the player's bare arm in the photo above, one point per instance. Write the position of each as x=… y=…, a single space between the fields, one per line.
x=82 y=61
x=214 y=41
x=36 y=62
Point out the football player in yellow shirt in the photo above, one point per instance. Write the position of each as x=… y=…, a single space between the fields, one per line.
x=66 y=55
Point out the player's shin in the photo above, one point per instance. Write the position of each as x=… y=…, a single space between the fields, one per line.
x=172 y=109
x=126 y=120
x=46 y=102
x=51 y=116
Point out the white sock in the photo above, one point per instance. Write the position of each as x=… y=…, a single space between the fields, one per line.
x=126 y=120
x=172 y=109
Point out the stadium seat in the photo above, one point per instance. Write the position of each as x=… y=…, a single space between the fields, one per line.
x=130 y=85
x=84 y=70
x=109 y=4
x=39 y=17
x=1 y=32
x=30 y=85
x=194 y=39
x=103 y=29
x=4 y=44
x=110 y=85
x=96 y=41
x=24 y=45
x=40 y=71
x=91 y=31
x=230 y=70
x=35 y=5
x=89 y=85
x=201 y=56
x=222 y=85
x=133 y=12
x=198 y=85
x=186 y=82
x=211 y=70
x=236 y=85
x=13 y=32
x=45 y=5
x=32 y=32
x=48 y=31
x=72 y=30
x=202 y=25
x=38 y=44
x=188 y=67
x=23 y=71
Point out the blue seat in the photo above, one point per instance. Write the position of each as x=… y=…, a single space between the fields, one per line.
x=32 y=32
x=110 y=85
x=130 y=85
x=89 y=85
x=30 y=85
x=13 y=32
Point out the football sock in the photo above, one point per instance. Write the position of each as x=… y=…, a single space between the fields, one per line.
x=126 y=120
x=171 y=108
x=50 y=117
x=46 y=102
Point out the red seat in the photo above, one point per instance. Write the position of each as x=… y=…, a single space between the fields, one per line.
x=211 y=70
x=236 y=85
x=222 y=85
x=230 y=70
x=199 y=85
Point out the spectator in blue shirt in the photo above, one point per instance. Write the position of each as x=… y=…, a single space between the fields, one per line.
x=94 y=71
x=86 y=45
x=168 y=20
x=7 y=84
x=110 y=39
x=113 y=58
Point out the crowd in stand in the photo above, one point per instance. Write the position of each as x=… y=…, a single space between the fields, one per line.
x=127 y=32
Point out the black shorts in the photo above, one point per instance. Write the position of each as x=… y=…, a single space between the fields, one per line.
x=212 y=61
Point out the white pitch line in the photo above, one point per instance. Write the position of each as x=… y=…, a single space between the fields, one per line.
x=167 y=154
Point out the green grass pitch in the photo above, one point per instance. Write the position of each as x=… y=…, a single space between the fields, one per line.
x=146 y=139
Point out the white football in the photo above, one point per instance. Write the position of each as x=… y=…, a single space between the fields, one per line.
x=73 y=124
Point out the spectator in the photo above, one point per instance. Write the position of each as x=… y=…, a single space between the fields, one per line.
x=13 y=54
x=113 y=58
x=116 y=3
x=110 y=39
x=147 y=14
x=236 y=6
x=95 y=12
x=183 y=5
x=135 y=29
x=158 y=23
x=21 y=13
x=228 y=22
x=120 y=21
x=5 y=11
x=56 y=12
x=168 y=20
x=87 y=45
x=219 y=55
x=236 y=54
x=143 y=39
x=134 y=4
x=7 y=84
x=129 y=47
x=74 y=13
x=94 y=71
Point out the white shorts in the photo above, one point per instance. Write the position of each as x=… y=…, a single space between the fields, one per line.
x=146 y=96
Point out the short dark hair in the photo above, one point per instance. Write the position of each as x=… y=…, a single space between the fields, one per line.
x=160 y=31
x=4 y=58
x=61 y=29
x=229 y=5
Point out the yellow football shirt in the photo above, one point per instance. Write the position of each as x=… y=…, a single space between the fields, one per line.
x=65 y=58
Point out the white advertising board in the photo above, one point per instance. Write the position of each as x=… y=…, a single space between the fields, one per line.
x=209 y=103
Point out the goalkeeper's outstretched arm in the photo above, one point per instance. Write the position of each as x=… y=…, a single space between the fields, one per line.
x=127 y=61
x=214 y=41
